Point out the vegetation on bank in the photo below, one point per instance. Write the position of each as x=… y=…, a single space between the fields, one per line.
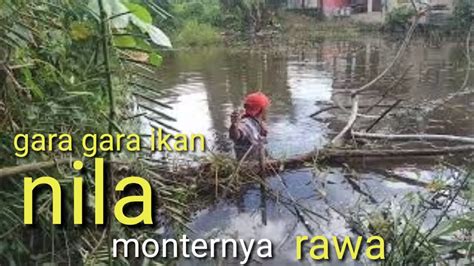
x=194 y=23
x=75 y=67
x=458 y=20
x=204 y=22
x=194 y=33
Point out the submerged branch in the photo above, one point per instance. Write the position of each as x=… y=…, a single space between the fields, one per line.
x=339 y=139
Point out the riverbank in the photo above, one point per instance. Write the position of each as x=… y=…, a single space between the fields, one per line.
x=280 y=27
x=297 y=30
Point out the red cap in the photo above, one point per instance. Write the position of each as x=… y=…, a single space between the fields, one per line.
x=255 y=103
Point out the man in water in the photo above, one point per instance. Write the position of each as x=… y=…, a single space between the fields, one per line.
x=248 y=130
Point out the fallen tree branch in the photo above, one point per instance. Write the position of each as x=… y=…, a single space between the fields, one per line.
x=331 y=107
x=408 y=137
x=339 y=139
x=338 y=153
x=325 y=155
x=399 y=54
x=332 y=155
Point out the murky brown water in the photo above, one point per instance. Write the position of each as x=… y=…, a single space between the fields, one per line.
x=205 y=86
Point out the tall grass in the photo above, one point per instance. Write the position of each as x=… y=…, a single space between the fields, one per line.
x=194 y=33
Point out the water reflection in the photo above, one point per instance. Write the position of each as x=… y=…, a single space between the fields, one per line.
x=205 y=86
x=226 y=77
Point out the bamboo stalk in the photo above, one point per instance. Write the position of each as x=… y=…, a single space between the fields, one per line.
x=104 y=28
x=32 y=167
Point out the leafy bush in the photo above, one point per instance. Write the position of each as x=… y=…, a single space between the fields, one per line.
x=202 y=11
x=68 y=67
x=195 y=33
x=398 y=18
x=462 y=15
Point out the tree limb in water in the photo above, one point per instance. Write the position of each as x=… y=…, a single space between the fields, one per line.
x=339 y=139
x=331 y=107
x=338 y=155
x=409 y=137
x=399 y=54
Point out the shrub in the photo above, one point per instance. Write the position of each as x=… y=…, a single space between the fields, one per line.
x=203 y=11
x=195 y=33
x=462 y=15
x=398 y=18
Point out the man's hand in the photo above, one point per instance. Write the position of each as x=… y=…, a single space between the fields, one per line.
x=235 y=117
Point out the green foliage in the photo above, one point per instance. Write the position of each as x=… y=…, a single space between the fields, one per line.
x=140 y=11
x=209 y=15
x=398 y=19
x=202 y=11
x=203 y=17
x=247 y=15
x=197 y=34
x=63 y=69
x=462 y=15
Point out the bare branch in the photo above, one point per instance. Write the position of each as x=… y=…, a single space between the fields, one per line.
x=339 y=139
x=397 y=57
x=408 y=137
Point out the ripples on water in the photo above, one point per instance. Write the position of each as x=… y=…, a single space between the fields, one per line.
x=205 y=86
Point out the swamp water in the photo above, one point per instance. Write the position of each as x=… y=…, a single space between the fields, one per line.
x=205 y=86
